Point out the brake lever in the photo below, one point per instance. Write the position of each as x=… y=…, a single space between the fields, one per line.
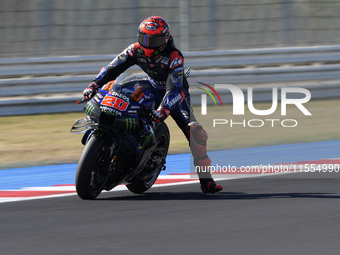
x=81 y=101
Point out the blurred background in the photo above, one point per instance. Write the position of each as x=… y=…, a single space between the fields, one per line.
x=52 y=49
x=53 y=28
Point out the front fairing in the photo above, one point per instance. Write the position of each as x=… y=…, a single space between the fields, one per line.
x=122 y=102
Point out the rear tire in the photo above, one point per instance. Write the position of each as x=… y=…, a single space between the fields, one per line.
x=158 y=156
x=92 y=168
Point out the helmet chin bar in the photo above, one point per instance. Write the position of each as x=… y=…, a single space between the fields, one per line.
x=148 y=52
x=151 y=52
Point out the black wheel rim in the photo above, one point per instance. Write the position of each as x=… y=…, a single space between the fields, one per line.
x=99 y=171
x=157 y=158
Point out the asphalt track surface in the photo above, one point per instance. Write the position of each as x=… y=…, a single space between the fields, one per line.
x=286 y=214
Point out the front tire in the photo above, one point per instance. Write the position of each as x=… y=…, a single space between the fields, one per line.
x=92 y=168
x=158 y=156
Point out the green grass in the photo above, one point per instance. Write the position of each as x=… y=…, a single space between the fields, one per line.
x=45 y=139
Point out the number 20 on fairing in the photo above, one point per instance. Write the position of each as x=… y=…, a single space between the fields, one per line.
x=115 y=102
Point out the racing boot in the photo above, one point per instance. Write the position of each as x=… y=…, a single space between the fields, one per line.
x=198 y=145
x=209 y=186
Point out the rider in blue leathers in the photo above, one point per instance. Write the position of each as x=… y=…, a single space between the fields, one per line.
x=155 y=53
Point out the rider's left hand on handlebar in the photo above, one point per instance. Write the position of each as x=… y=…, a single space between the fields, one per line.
x=159 y=115
x=90 y=91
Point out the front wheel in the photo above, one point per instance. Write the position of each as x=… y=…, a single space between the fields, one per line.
x=93 y=168
x=156 y=163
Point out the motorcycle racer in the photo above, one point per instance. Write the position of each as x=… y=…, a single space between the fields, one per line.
x=156 y=54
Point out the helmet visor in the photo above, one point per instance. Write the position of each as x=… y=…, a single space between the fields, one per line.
x=151 y=42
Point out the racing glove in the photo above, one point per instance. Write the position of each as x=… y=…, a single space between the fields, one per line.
x=159 y=115
x=90 y=91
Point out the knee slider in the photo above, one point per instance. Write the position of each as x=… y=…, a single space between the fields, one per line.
x=197 y=133
x=198 y=140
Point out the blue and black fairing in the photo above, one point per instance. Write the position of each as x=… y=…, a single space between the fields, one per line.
x=117 y=109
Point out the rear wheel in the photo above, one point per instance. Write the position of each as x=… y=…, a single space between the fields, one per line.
x=93 y=168
x=156 y=163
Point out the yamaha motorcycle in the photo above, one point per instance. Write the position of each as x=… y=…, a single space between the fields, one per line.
x=122 y=145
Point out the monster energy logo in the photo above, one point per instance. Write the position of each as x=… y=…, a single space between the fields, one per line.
x=130 y=124
x=152 y=73
x=89 y=109
x=147 y=141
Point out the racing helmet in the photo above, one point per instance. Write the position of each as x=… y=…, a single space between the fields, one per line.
x=153 y=35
